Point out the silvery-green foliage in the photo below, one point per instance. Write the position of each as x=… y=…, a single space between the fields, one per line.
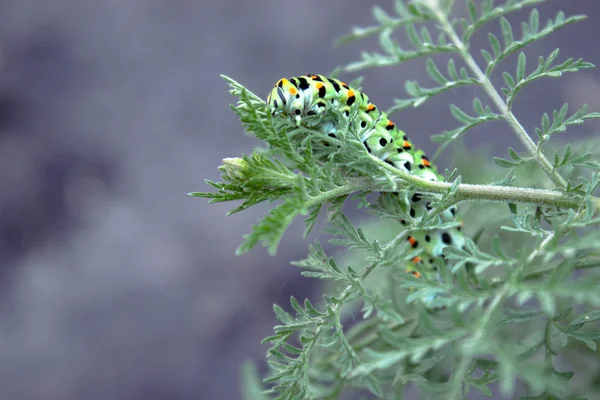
x=517 y=307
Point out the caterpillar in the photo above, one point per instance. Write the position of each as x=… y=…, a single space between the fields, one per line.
x=308 y=99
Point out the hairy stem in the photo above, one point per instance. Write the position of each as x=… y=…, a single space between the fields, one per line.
x=344 y=294
x=333 y=193
x=592 y=262
x=506 y=194
x=491 y=91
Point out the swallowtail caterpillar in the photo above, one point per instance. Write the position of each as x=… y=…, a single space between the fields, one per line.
x=306 y=100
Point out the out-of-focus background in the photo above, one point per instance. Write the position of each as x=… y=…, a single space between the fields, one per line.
x=114 y=283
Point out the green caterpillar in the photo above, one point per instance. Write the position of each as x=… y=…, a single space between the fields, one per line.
x=307 y=99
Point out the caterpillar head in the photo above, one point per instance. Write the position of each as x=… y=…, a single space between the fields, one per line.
x=285 y=98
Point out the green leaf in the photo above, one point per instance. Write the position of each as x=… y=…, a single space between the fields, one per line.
x=348 y=236
x=426 y=39
x=531 y=33
x=507 y=33
x=547 y=69
x=435 y=74
x=508 y=79
x=505 y=163
x=396 y=56
x=489 y=59
x=271 y=228
x=513 y=154
x=422 y=43
x=587 y=337
x=521 y=63
x=472 y=11
x=386 y=22
x=460 y=115
x=420 y=94
x=413 y=349
x=489 y=13
x=483 y=115
x=496 y=46
x=413 y=36
x=309 y=222
x=336 y=206
x=590 y=316
x=381 y=16
x=560 y=122
x=319 y=265
x=520 y=316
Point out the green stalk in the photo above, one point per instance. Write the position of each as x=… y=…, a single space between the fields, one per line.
x=491 y=91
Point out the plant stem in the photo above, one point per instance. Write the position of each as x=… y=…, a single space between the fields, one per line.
x=459 y=373
x=505 y=194
x=348 y=188
x=485 y=319
x=510 y=118
x=457 y=391
x=583 y=264
x=334 y=309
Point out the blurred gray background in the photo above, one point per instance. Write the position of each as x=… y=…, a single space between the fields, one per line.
x=114 y=283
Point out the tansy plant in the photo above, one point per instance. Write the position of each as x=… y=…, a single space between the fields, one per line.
x=506 y=307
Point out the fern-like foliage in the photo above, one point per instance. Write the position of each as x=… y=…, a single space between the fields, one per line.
x=516 y=310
